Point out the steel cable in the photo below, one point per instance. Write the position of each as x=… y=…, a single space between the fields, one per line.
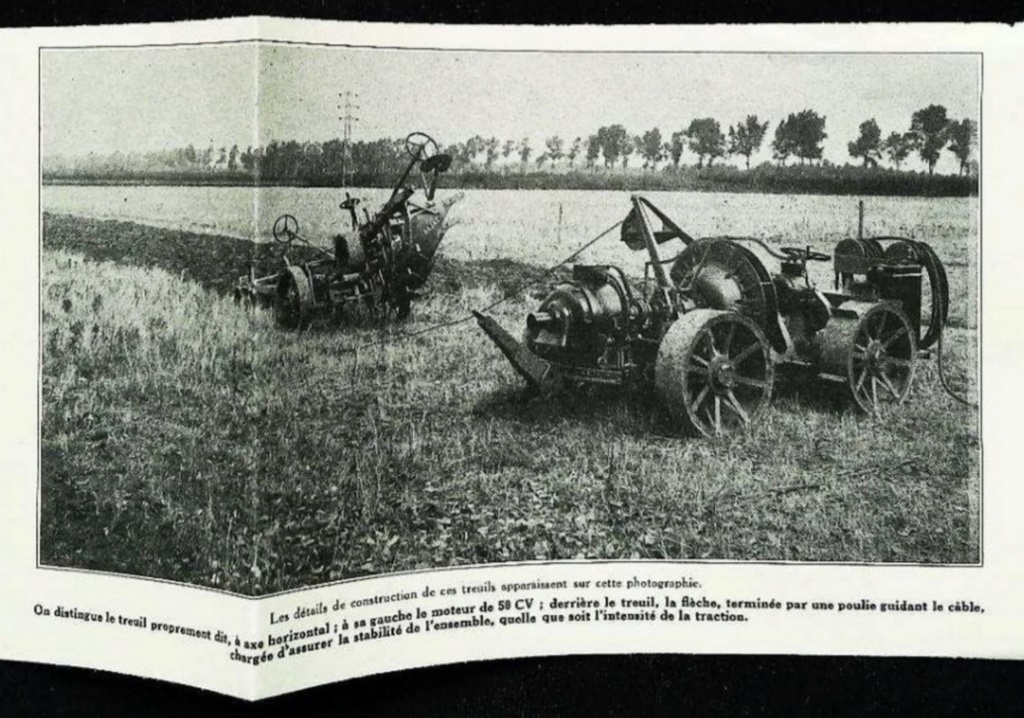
x=550 y=270
x=945 y=382
x=455 y=322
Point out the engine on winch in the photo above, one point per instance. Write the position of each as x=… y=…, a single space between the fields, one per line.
x=595 y=323
x=709 y=330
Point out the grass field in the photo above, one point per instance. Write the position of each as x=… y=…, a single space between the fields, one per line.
x=539 y=227
x=185 y=437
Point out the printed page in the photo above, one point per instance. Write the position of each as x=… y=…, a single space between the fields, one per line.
x=358 y=348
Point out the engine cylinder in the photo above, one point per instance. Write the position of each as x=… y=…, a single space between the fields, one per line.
x=573 y=323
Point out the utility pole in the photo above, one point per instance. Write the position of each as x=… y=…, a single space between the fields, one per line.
x=347 y=119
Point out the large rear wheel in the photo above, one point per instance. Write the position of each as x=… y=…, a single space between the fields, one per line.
x=293 y=301
x=714 y=371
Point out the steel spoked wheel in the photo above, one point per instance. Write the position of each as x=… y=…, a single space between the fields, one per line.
x=293 y=300
x=287 y=309
x=714 y=370
x=881 y=364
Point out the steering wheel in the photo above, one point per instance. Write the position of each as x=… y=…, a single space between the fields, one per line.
x=286 y=229
x=420 y=145
x=805 y=254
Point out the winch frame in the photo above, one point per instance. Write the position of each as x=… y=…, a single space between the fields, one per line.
x=709 y=332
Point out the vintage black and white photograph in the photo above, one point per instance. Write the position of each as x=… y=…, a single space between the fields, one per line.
x=311 y=313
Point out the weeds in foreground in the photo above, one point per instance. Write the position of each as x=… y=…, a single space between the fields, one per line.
x=185 y=437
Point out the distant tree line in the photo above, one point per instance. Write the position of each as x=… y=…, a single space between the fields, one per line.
x=606 y=152
x=930 y=132
x=280 y=162
x=800 y=135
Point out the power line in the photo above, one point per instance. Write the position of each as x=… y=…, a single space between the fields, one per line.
x=347 y=119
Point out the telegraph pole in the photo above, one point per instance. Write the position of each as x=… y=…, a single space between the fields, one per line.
x=348 y=108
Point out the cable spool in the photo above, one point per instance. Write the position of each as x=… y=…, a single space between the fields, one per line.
x=855 y=248
x=725 y=275
x=872 y=247
x=903 y=249
x=939 y=283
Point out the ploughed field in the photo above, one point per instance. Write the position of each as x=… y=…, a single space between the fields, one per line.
x=524 y=225
x=186 y=437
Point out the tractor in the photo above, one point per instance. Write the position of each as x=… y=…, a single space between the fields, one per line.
x=373 y=270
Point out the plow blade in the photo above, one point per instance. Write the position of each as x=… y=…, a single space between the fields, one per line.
x=537 y=372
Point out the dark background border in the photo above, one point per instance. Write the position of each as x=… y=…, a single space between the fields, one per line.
x=24 y=13
x=601 y=685
x=585 y=685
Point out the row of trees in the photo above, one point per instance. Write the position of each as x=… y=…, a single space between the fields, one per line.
x=930 y=132
x=800 y=135
x=281 y=161
x=613 y=144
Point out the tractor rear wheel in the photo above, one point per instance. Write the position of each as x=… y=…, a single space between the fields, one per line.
x=293 y=301
x=714 y=371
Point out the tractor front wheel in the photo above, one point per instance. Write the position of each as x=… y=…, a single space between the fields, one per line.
x=873 y=349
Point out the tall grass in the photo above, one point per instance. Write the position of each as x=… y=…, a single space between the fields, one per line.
x=187 y=438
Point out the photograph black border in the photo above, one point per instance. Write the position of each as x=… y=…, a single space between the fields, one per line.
x=559 y=562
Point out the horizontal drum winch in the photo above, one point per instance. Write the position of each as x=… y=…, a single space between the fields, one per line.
x=709 y=326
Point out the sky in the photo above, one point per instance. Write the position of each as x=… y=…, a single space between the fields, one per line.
x=143 y=99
